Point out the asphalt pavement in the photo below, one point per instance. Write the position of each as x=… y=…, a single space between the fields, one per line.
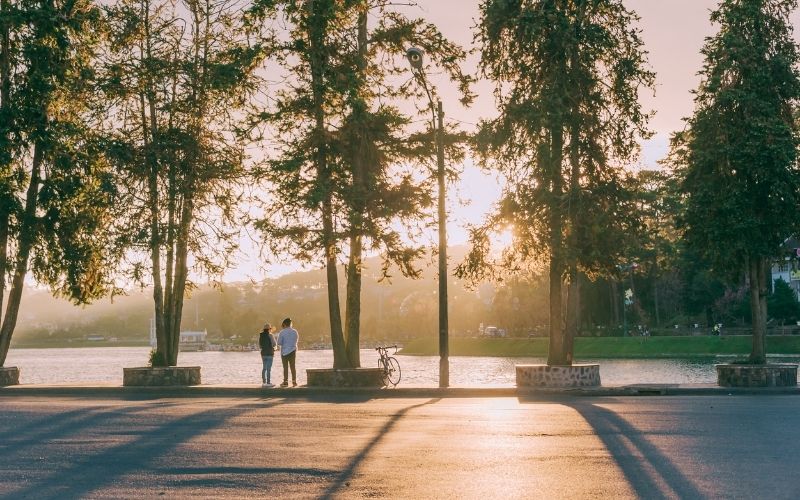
x=340 y=445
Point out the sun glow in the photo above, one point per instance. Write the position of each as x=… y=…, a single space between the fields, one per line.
x=505 y=238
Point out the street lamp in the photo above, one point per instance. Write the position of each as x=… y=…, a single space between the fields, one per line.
x=415 y=58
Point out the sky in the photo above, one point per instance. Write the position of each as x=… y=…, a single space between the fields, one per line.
x=673 y=32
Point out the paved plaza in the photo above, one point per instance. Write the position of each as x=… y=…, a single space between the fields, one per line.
x=350 y=446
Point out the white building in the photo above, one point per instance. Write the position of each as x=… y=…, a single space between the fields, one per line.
x=788 y=268
x=190 y=340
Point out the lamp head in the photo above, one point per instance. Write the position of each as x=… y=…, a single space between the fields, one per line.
x=414 y=56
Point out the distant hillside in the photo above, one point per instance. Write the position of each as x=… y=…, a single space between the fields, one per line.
x=395 y=309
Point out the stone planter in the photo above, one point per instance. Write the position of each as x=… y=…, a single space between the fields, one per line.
x=9 y=376
x=769 y=375
x=161 y=376
x=558 y=376
x=350 y=377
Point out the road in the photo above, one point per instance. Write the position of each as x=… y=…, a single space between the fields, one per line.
x=350 y=447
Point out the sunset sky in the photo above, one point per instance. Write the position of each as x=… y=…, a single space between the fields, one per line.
x=673 y=32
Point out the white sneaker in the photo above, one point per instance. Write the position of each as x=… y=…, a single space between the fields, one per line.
x=267 y=385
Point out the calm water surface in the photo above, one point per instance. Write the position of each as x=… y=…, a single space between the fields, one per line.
x=104 y=365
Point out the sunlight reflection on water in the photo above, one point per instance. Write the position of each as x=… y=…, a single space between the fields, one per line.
x=104 y=365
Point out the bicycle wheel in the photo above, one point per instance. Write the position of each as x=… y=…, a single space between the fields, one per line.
x=393 y=371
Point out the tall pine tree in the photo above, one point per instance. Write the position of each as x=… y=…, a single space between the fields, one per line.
x=567 y=76
x=343 y=182
x=57 y=199
x=176 y=78
x=738 y=156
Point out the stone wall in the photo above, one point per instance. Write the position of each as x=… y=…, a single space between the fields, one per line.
x=558 y=376
x=770 y=375
x=161 y=376
x=353 y=377
x=9 y=376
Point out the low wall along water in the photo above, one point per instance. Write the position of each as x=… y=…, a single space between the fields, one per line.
x=9 y=376
x=157 y=377
x=769 y=375
x=558 y=376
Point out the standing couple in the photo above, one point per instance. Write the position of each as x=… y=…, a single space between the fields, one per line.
x=287 y=341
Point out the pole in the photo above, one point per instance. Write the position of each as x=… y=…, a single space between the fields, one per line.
x=444 y=350
x=415 y=59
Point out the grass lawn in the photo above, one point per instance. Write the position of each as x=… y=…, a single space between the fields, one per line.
x=608 y=347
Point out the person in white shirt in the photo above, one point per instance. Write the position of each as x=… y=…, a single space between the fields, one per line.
x=287 y=340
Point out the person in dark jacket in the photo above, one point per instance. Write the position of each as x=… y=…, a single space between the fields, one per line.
x=267 y=343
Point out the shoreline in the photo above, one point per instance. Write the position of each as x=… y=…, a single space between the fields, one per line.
x=591 y=348
x=684 y=347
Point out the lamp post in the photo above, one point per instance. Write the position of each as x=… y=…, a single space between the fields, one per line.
x=415 y=58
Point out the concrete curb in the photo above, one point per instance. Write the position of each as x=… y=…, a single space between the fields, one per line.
x=222 y=391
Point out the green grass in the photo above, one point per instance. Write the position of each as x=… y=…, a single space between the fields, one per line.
x=608 y=347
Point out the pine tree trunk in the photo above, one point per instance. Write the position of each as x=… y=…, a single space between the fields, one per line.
x=317 y=30
x=352 y=318
x=573 y=313
x=149 y=123
x=557 y=352
x=5 y=96
x=169 y=268
x=655 y=301
x=353 y=305
x=3 y=259
x=26 y=240
x=181 y=276
x=758 y=295
x=573 y=290
x=340 y=357
x=155 y=259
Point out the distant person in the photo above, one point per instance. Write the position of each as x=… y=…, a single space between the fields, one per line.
x=267 y=343
x=287 y=339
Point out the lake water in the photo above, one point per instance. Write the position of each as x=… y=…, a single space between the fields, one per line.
x=104 y=365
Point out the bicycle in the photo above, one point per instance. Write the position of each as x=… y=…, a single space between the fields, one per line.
x=389 y=365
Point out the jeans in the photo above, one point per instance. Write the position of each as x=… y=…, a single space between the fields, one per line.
x=288 y=362
x=266 y=369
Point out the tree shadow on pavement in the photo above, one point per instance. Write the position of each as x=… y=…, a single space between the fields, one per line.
x=650 y=473
x=89 y=473
x=351 y=467
x=59 y=425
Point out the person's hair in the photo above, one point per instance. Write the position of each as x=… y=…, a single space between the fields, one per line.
x=287 y=322
x=267 y=327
